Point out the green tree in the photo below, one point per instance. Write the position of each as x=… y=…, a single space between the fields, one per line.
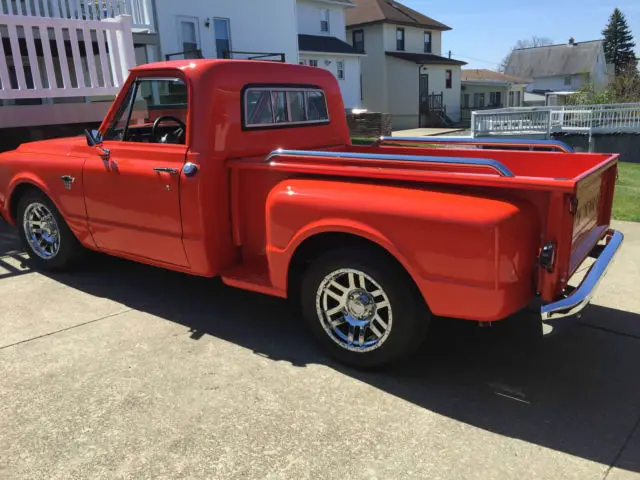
x=618 y=42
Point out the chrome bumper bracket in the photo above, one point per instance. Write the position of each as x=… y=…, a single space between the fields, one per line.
x=581 y=296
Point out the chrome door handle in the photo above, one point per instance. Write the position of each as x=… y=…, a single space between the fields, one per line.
x=172 y=171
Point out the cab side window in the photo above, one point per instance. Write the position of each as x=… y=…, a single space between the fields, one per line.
x=154 y=111
x=279 y=107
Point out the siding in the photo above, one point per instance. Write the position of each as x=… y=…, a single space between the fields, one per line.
x=350 y=86
x=373 y=68
x=255 y=26
x=556 y=84
x=413 y=39
x=309 y=18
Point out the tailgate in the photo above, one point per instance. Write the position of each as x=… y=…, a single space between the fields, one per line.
x=591 y=208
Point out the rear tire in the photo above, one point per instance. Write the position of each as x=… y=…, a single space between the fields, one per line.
x=363 y=308
x=45 y=235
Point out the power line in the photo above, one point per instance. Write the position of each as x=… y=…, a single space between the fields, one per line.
x=488 y=62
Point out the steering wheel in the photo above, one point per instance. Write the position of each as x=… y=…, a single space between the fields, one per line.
x=177 y=132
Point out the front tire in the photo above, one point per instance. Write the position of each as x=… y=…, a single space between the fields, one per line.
x=363 y=308
x=45 y=235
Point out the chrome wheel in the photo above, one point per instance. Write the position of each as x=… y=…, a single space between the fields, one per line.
x=41 y=230
x=354 y=310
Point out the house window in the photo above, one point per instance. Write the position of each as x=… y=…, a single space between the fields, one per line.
x=324 y=20
x=188 y=35
x=340 y=69
x=400 y=39
x=427 y=42
x=518 y=99
x=567 y=80
x=222 y=31
x=466 y=100
x=313 y=63
x=495 y=99
x=358 y=40
x=266 y=107
x=478 y=100
x=448 y=78
x=511 y=99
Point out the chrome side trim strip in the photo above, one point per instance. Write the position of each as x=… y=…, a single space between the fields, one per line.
x=493 y=142
x=486 y=162
x=581 y=296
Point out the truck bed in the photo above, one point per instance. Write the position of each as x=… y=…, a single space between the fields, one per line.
x=572 y=193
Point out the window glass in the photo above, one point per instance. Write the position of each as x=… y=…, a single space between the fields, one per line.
x=259 y=107
x=340 y=68
x=296 y=106
x=189 y=39
x=427 y=42
x=265 y=106
x=280 y=107
x=358 y=40
x=146 y=101
x=317 y=106
x=324 y=20
x=222 y=29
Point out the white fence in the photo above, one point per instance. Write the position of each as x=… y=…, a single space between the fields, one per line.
x=623 y=117
x=141 y=11
x=64 y=58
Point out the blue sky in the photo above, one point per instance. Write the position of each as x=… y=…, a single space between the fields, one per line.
x=483 y=32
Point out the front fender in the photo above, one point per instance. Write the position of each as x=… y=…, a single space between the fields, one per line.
x=471 y=256
x=45 y=173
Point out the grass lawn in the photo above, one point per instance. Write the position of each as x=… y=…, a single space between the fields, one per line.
x=626 y=203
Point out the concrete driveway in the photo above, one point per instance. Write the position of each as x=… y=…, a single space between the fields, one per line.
x=125 y=371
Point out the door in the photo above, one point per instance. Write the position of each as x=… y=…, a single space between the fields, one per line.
x=423 y=98
x=132 y=194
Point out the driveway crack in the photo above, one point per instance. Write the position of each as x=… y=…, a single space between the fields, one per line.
x=49 y=334
x=612 y=465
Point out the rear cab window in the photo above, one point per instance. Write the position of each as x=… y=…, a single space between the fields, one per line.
x=278 y=107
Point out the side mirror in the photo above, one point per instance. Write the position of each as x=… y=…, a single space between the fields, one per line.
x=94 y=137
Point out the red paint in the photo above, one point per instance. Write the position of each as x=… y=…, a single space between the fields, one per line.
x=468 y=237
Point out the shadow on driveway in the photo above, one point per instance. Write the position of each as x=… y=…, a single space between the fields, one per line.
x=576 y=392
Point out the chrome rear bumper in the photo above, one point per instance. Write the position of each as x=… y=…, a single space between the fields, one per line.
x=579 y=298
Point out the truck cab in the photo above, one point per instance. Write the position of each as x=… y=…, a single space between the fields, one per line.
x=245 y=170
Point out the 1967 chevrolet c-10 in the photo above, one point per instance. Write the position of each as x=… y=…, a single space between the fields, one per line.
x=245 y=170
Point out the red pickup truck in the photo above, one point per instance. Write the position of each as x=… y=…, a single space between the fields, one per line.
x=245 y=170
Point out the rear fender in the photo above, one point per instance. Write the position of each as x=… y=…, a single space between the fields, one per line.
x=280 y=259
x=470 y=256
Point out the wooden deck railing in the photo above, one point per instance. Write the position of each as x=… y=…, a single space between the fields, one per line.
x=141 y=11
x=53 y=57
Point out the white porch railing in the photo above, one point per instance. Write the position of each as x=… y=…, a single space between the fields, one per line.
x=51 y=57
x=604 y=118
x=141 y=11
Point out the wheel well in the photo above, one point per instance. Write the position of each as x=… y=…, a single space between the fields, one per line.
x=20 y=191
x=318 y=244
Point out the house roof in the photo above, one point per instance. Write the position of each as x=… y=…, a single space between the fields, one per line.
x=389 y=11
x=554 y=60
x=489 y=76
x=325 y=44
x=425 y=58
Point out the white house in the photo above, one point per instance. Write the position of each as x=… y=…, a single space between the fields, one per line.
x=322 y=42
x=482 y=89
x=228 y=29
x=561 y=68
x=404 y=72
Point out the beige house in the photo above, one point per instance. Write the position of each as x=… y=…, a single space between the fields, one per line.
x=485 y=89
x=404 y=72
